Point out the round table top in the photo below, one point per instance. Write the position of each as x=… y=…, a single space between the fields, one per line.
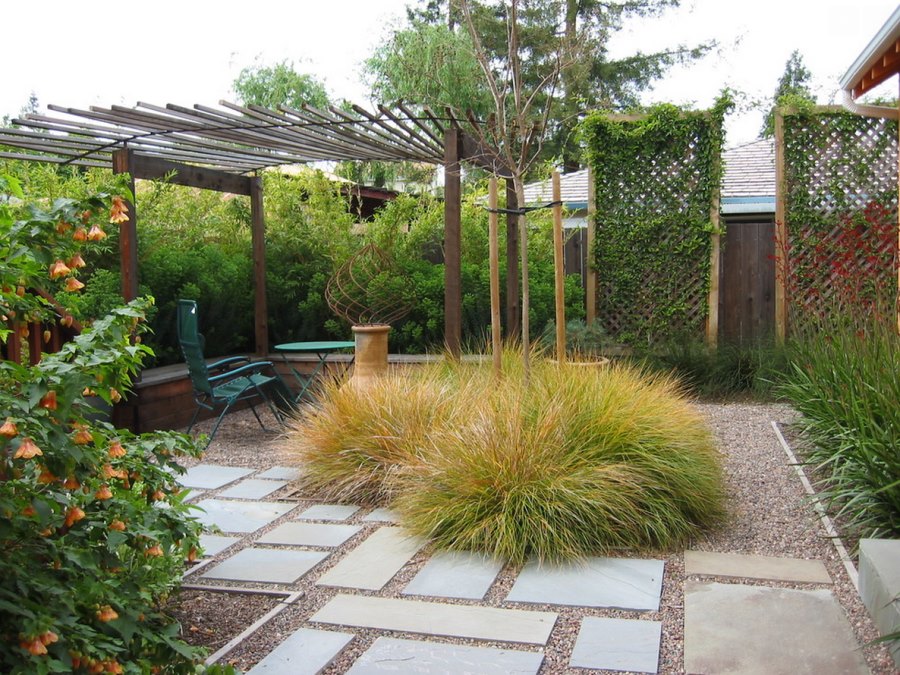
x=314 y=346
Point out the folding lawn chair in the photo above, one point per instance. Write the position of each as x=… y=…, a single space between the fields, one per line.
x=227 y=382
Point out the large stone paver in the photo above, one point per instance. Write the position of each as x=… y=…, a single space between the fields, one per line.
x=305 y=652
x=756 y=630
x=214 y=543
x=435 y=618
x=375 y=561
x=329 y=512
x=621 y=583
x=310 y=534
x=879 y=586
x=239 y=516
x=617 y=644
x=755 y=567
x=390 y=655
x=455 y=575
x=266 y=565
x=280 y=473
x=211 y=476
x=381 y=515
x=253 y=488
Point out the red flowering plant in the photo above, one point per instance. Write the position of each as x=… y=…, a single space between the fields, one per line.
x=842 y=274
x=88 y=555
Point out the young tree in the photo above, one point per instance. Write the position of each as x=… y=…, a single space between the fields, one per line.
x=792 y=87
x=279 y=85
x=592 y=80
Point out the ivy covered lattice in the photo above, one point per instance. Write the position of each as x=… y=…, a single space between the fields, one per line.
x=840 y=187
x=656 y=178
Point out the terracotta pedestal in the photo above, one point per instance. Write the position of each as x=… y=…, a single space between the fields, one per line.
x=370 y=355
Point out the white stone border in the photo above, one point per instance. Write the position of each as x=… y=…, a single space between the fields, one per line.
x=817 y=505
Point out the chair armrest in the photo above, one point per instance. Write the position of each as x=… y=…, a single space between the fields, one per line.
x=227 y=363
x=249 y=369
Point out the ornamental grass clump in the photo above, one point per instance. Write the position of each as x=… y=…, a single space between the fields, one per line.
x=355 y=445
x=580 y=461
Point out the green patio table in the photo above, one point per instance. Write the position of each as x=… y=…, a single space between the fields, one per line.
x=320 y=349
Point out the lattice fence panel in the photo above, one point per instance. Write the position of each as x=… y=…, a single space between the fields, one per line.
x=840 y=215
x=652 y=258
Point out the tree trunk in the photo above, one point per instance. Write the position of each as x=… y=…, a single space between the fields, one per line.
x=526 y=298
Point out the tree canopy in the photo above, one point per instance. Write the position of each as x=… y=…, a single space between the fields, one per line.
x=577 y=31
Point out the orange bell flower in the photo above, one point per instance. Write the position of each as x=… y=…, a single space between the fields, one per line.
x=96 y=233
x=154 y=551
x=106 y=613
x=116 y=449
x=117 y=525
x=27 y=450
x=33 y=646
x=119 y=211
x=59 y=269
x=49 y=401
x=80 y=234
x=82 y=435
x=73 y=515
x=103 y=493
x=9 y=428
x=76 y=261
x=73 y=285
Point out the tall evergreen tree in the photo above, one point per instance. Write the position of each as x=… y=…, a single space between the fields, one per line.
x=793 y=87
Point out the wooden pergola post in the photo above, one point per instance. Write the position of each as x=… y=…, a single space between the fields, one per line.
x=258 y=242
x=452 y=241
x=590 y=291
x=123 y=162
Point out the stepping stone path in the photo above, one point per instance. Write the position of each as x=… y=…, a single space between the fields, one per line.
x=387 y=655
x=728 y=627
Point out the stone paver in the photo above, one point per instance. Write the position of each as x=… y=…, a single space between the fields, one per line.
x=756 y=630
x=381 y=515
x=310 y=534
x=305 y=652
x=435 y=618
x=755 y=567
x=617 y=644
x=455 y=575
x=234 y=516
x=622 y=583
x=266 y=565
x=214 y=543
x=329 y=512
x=375 y=561
x=212 y=476
x=280 y=473
x=253 y=488
x=390 y=655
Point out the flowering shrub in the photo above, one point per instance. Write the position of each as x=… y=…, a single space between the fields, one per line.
x=93 y=530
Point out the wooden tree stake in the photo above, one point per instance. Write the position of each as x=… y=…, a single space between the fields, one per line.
x=559 y=275
x=494 y=260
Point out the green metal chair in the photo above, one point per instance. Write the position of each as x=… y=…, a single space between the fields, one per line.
x=228 y=381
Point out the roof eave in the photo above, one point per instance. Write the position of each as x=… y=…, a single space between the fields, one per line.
x=886 y=38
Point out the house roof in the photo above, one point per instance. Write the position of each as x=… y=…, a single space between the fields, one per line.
x=878 y=61
x=748 y=185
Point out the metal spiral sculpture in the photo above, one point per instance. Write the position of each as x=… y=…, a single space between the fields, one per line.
x=368 y=290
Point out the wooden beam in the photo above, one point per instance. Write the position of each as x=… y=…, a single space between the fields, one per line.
x=258 y=239
x=512 y=263
x=155 y=168
x=123 y=162
x=590 y=293
x=452 y=242
x=781 y=243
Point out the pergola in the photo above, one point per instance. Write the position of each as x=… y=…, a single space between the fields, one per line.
x=225 y=147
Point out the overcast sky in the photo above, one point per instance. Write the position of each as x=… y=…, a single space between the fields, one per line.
x=99 y=52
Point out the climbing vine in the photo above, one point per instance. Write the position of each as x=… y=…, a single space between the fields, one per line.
x=656 y=178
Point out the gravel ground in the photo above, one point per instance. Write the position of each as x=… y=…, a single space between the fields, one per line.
x=769 y=515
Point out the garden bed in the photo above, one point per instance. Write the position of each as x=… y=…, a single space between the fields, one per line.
x=769 y=514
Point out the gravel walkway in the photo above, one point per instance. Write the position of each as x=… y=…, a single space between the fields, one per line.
x=769 y=515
